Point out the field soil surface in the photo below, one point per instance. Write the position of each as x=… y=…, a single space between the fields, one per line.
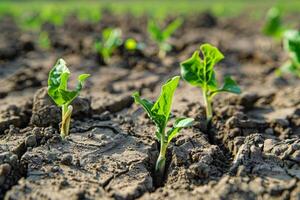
x=251 y=150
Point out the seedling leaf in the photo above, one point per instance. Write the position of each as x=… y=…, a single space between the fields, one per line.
x=160 y=36
x=162 y=106
x=178 y=125
x=159 y=113
x=273 y=26
x=230 y=86
x=200 y=72
x=60 y=94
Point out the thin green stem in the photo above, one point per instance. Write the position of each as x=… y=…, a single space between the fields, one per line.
x=66 y=119
x=207 y=102
x=161 y=160
x=161 y=53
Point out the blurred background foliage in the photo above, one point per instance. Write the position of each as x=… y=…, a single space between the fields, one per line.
x=30 y=14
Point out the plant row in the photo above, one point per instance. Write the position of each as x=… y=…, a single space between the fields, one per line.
x=198 y=71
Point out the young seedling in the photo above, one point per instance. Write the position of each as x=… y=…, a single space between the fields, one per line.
x=132 y=45
x=291 y=44
x=61 y=95
x=160 y=36
x=159 y=113
x=44 y=41
x=111 y=39
x=200 y=72
x=273 y=26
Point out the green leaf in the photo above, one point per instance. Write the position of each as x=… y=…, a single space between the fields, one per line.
x=111 y=39
x=230 y=86
x=159 y=112
x=178 y=125
x=58 y=84
x=200 y=72
x=292 y=44
x=155 y=32
x=162 y=106
x=147 y=105
x=171 y=28
x=273 y=26
x=160 y=35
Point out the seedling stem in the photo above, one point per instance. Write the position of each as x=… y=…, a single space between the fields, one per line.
x=66 y=119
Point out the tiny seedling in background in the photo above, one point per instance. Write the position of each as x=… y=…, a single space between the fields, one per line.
x=273 y=26
x=132 y=45
x=291 y=43
x=111 y=39
x=61 y=95
x=160 y=36
x=159 y=113
x=44 y=41
x=200 y=72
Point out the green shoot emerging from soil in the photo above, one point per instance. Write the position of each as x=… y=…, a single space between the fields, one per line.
x=273 y=26
x=58 y=91
x=44 y=41
x=200 y=72
x=159 y=113
x=111 y=40
x=132 y=45
x=291 y=43
x=161 y=36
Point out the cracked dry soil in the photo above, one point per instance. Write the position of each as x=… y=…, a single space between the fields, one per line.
x=250 y=151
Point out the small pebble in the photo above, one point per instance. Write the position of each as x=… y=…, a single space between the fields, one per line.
x=30 y=141
x=67 y=159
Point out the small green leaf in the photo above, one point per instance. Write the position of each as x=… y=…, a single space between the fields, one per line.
x=162 y=106
x=178 y=125
x=111 y=39
x=200 y=72
x=230 y=86
x=273 y=26
x=190 y=70
x=147 y=105
x=58 y=84
x=159 y=112
x=171 y=28
x=292 y=44
x=162 y=35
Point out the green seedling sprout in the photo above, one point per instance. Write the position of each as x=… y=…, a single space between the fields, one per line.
x=291 y=41
x=160 y=36
x=132 y=45
x=159 y=113
x=273 y=26
x=291 y=44
x=43 y=40
x=111 y=39
x=200 y=72
x=61 y=95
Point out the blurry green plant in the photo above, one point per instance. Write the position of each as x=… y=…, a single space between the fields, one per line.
x=273 y=26
x=200 y=72
x=132 y=45
x=61 y=95
x=111 y=40
x=159 y=113
x=160 y=36
x=89 y=15
x=30 y=21
x=43 y=40
x=291 y=44
x=290 y=38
